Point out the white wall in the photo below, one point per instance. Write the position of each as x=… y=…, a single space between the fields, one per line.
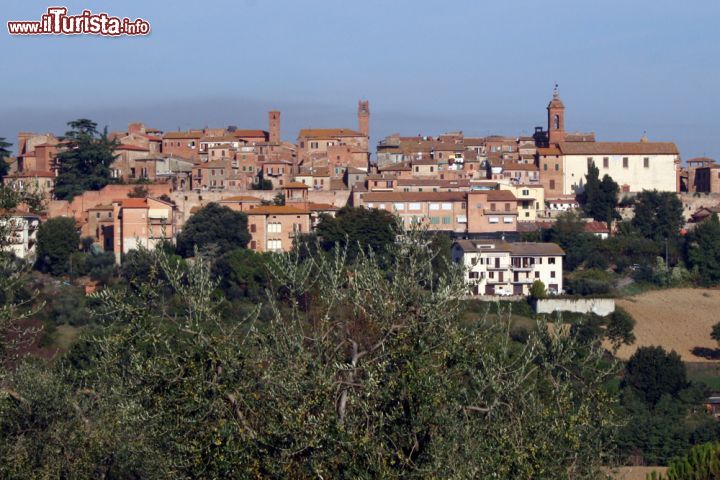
x=659 y=175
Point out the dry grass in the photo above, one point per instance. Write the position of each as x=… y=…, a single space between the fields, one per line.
x=676 y=319
x=635 y=473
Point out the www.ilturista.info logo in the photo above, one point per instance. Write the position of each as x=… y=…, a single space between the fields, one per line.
x=57 y=22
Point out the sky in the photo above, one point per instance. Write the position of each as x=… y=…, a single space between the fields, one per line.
x=426 y=66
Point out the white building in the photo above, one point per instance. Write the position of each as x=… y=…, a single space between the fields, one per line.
x=496 y=267
x=20 y=232
x=635 y=166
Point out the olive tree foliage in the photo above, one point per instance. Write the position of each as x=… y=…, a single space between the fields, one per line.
x=362 y=372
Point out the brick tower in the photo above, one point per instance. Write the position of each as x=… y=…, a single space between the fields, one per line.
x=274 y=126
x=556 y=119
x=364 y=117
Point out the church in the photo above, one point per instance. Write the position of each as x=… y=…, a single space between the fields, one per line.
x=563 y=159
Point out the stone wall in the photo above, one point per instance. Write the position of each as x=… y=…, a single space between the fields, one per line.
x=598 y=306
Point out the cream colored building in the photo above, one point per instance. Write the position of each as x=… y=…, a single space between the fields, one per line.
x=496 y=267
x=530 y=200
x=635 y=166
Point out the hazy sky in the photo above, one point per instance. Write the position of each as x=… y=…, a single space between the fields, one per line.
x=482 y=67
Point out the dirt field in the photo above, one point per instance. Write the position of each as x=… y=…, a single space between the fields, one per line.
x=675 y=319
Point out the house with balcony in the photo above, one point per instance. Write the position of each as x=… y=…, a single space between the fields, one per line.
x=497 y=267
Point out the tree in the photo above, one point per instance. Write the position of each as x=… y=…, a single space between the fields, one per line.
x=358 y=229
x=279 y=199
x=537 y=290
x=243 y=273
x=57 y=240
x=658 y=215
x=569 y=232
x=702 y=462
x=600 y=198
x=704 y=250
x=261 y=184
x=4 y=155
x=213 y=229
x=652 y=372
x=362 y=371
x=85 y=161
x=620 y=329
x=140 y=191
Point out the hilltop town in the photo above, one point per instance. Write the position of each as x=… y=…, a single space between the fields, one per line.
x=469 y=187
x=431 y=246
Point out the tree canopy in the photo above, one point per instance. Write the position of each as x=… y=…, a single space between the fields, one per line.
x=704 y=250
x=600 y=197
x=361 y=372
x=4 y=155
x=214 y=228
x=57 y=240
x=358 y=229
x=652 y=372
x=658 y=215
x=85 y=161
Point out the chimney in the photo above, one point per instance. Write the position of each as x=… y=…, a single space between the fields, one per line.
x=136 y=128
x=274 y=126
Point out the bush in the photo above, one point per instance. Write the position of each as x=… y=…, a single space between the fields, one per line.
x=590 y=282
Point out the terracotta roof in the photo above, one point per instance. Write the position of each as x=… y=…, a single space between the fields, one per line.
x=321 y=207
x=224 y=138
x=414 y=197
x=250 y=133
x=398 y=167
x=277 y=210
x=132 y=202
x=521 y=248
x=618 y=148
x=182 y=135
x=296 y=185
x=549 y=151
x=328 y=133
x=133 y=148
x=501 y=195
x=242 y=198
x=595 y=227
x=520 y=166
x=33 y=173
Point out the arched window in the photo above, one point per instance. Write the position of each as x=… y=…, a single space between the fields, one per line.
x=556 y=122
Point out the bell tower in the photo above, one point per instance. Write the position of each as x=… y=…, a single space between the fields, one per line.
x=556 y=119
x=274 y=126
x=364 y=117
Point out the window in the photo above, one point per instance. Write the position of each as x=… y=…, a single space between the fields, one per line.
x=552 y=184
x=399 y=206
x=646 y=162
x=551 y=260
x=625 y=162
x=507 y=207
x=371 y=205
x=590 y=161
x=492 y=207
x=545 y=166
x=552 y=274
x=493 y=220
x=434 y=220
x=606 y=162
x=434 y=206
x=313 y=144
x=253 y=228
x=447 y=206
x=537 y=274
x=274 y=245
x=253 y=245
x=507 y=219
x=446 y=220
x=274 y=228
x=526 y=192
x=557 y=167
x=414 y=206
